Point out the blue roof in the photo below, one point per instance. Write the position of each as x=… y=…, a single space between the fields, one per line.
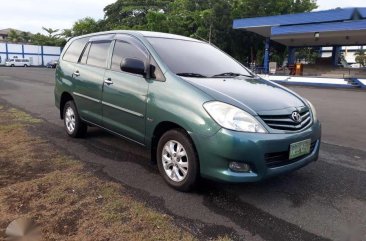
x=362 y=11
x=319 y=27
x=335 y=15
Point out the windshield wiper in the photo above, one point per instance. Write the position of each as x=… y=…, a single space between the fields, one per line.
x=197 y=75
x=231 y=74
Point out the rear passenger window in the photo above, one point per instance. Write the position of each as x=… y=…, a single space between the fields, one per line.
x=98 y=54
x=72 y=54
x=124 y=50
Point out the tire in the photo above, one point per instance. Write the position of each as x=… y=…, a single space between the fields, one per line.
x=25 y=66
x=74 y=126
x=171 y=165
x=12 y=65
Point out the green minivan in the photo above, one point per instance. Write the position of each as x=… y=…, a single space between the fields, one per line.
x=199 y=111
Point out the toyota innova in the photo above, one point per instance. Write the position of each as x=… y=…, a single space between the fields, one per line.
x=199 y=111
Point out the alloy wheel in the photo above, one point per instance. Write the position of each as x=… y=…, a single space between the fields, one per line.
x=175 y=160
x=70 y=119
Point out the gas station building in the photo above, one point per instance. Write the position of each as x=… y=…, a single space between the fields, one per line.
x=331 y=28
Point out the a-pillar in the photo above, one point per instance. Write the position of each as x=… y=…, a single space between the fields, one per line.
x=266 y=56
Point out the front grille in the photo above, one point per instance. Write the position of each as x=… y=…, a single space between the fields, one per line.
x=284 y=122
x=278 y=159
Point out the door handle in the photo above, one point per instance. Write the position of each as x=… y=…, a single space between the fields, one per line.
x=108 y=81
x=76 y=73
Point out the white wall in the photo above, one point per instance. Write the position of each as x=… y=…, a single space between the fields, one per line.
x=31 y=52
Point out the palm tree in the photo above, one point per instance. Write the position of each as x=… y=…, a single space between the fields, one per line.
x=361 y=57
x=51 y=32
x=14 y=36
x=25 y=36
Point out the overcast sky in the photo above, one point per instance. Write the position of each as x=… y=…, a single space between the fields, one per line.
x=31 y=15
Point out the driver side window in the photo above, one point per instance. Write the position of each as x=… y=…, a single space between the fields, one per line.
x=124 y=50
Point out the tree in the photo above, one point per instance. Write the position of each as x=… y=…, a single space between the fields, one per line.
x=25 y=36
x=361 y=57
x=85 y=26
x=210 y=20
x=66 y=33
x=14 y=36
x=131 y=14
x=51 y=39
x=51 y=32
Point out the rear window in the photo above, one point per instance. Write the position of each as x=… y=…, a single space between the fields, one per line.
x=72 y=54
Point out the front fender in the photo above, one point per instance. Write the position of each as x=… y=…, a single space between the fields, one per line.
x=181 y=103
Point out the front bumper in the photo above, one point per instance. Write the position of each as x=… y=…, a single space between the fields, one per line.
x=216 y=152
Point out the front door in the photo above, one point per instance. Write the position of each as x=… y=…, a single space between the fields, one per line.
x=125 y=94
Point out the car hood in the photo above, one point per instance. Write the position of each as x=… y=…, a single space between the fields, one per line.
x=251 y=94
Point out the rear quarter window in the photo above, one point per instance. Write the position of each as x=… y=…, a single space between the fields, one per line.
x=73 y=52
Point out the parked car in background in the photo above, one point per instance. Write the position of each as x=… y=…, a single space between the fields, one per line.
x=199 y=111
x=52 y=64
x=17 y=62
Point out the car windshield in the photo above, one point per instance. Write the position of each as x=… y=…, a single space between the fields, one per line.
x=196 y=59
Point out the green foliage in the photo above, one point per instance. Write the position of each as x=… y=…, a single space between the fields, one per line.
x=51 y=32
x=14 y=36
x=308 y=55
x=18 y=37
x=84 y=26
x=53 y=38
x=361 y=57
x=210 y=20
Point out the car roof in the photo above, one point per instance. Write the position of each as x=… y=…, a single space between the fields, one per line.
x=165 y=35
x=141 y=34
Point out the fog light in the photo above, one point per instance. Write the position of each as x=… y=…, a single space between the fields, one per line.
x=239 y=167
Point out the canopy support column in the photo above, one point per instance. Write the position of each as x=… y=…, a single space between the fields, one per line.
x=291 y=55
x=336 y=52
x=266 y=56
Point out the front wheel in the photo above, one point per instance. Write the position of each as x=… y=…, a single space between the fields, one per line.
x=74 y=126
x=177 y=160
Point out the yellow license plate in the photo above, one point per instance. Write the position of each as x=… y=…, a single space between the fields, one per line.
x=299 y=149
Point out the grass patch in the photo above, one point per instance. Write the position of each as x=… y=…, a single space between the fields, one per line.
x=20 y=116
x=65 y=198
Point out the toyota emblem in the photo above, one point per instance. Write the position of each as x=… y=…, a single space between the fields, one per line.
x=296 y=117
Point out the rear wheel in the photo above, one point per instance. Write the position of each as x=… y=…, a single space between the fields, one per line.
x=12 y=65
x=25 y=65
x=177 y=160
x=74 y=126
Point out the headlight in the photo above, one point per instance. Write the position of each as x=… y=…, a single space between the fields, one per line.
x=233 y=118
x=313 y=111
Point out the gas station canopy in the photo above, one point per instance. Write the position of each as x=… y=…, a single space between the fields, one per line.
x=340 y=27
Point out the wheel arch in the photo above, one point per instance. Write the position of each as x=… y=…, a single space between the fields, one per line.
x=162 y=128
x=65 y=97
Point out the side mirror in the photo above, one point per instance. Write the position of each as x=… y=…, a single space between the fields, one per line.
x=133 y=66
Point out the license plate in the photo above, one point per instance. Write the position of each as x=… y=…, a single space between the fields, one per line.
x=299 y=149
